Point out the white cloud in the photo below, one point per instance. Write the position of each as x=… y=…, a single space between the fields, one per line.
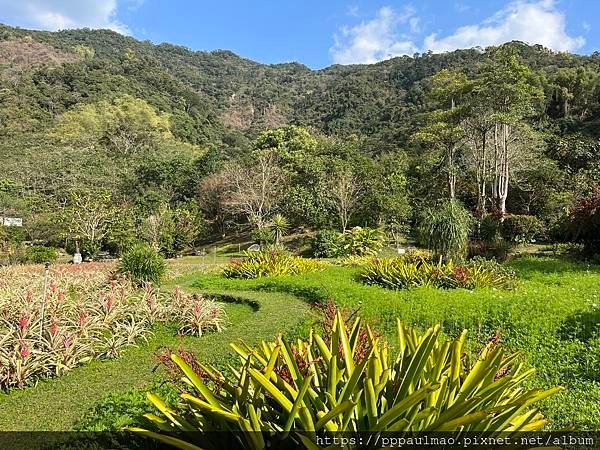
x=60 y=14
x=134 y=5
x=415 y=24
x=391 y=34
x=376 y=39
x=353 y=11
x=534 y=22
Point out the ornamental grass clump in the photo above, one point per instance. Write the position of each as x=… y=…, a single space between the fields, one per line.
x=85 y=315
x=347 y=380
x=444 y=229
x=270 y=262
x=400 y=273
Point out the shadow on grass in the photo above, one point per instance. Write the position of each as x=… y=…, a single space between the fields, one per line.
x=310 y=294
x=579 y=336
x=236 y=299
x=583 y=326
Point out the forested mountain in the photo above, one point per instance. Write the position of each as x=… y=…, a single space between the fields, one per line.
x=93 y=120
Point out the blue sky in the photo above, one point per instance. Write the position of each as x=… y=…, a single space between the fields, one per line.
x=324 y=32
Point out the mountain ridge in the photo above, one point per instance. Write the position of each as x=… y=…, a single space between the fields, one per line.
x=377 y=101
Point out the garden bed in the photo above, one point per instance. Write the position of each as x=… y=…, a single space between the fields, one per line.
x=52 y=324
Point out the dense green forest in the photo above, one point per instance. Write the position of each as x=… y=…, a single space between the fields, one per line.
x=106 y=140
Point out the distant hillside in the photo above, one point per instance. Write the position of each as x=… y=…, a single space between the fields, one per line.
x=219 y=97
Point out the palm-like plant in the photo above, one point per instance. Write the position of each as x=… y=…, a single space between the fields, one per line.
x=347 y=380
x=279 y=224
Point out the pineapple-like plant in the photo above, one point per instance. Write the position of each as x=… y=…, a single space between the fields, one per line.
x=400 y=273
x=270 y=262
x=348 y=380
x=85 y=317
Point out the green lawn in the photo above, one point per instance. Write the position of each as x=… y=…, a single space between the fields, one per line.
x=552 y=317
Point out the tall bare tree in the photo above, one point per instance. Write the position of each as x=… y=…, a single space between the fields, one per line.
x=504 y=96
x=345 y=193
x=255 y=190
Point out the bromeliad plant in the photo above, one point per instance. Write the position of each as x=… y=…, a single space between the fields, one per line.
x=400 y=273
x=411 y=256
x=270 y=262
x=348 y=380
x=86 y=316
x=196 y=314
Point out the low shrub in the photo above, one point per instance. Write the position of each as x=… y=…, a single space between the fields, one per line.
x=358 y=241
x=584 y=222
x=39 y=254
x=326 y=244
x=270 y=262
x=348 y=379
x=13 y=235
x=489 y=228
x=398 y=273
x=143 y=264
x=522 y=229
x=362 y=241
x=498 y=249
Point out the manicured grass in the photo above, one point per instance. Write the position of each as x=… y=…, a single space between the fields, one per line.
x=58 y=403
x=552 y=317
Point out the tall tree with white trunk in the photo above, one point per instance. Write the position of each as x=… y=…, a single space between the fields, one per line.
x=511 y=93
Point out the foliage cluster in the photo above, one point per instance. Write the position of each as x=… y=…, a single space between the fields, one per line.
x=85 y=315
x=445 y=230
x=348 y=380
x=142 y=264
x=145 y=139
x=514 y=228
x=272 y=261
x=399 y=273
x=496 y=236
x=585 y=222
x=358 y=241
x=39 y=254
x=19 y=253
x=522 y=229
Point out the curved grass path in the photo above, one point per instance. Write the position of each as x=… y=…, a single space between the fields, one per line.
x=56 y=404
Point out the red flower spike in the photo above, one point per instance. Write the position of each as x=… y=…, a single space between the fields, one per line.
x=23 y=323
x=24 y=352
